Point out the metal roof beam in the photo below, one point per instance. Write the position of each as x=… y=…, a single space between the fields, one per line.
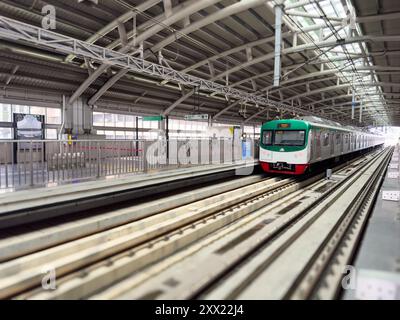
x=250 y=45
x=340 y=87
x=347 y=95
x=179 y=12
x=297 y=4
x=308 y=46
x=255 y=115
x=311 y=15
x=218 y=15
x=226 y=109
x=9 y=78
x=114 y=24
x=378 y=17
x=329 y=72
x=177 y=102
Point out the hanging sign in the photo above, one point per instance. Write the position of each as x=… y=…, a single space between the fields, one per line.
x=196 y=116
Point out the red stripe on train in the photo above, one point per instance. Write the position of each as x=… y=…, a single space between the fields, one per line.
x=298 y=168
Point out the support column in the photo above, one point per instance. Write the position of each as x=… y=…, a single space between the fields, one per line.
x=162 y=125
x=167 y=135
x=353 y=104
x=353 y=100
x=278 y=41
x=137 y=136
x=79 y=118
x=163 y=139
x=210 y=122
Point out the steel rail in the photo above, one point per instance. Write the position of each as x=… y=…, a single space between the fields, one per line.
x=103 y=274
x=322 y=277
x=261 y=225
x=274 y=270
x=52 y=233
x=94 y=263
x=76 y=254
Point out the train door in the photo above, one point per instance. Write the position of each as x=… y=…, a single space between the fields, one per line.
x=355 y=142
x=337 y=143
x=350 y=141
x=332 y=142
x=341 y=143
x=351 y=144
x=318 y=143
x=311 y=144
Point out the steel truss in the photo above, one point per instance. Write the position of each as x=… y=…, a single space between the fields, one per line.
x=13 y=30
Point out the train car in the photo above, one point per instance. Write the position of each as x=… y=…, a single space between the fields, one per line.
x=296 y=146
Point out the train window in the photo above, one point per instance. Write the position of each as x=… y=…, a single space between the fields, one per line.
x=346 y=138
x=325 y=139
x=289 y=137
x=337 y=138
x=267 y=137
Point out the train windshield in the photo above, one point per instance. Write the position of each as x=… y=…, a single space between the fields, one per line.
x=267 y=137
x=289 y=137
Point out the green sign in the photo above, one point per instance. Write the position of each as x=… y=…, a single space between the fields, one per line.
x=153 y=118
x=196 y=116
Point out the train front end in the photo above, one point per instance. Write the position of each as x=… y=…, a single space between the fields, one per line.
x=284 y=146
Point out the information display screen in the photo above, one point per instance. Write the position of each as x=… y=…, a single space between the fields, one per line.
x=283 y=125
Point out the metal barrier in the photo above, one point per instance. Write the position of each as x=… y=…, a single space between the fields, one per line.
x=25 y=163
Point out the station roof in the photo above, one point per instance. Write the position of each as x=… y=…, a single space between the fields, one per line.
x=329 y=49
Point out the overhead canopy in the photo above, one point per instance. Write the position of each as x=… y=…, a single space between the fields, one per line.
x=334 y=55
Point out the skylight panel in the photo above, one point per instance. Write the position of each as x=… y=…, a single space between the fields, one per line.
x=309 y=8
x=324 y=3
x=346 y=57
x=342 y=33
x=329 y=11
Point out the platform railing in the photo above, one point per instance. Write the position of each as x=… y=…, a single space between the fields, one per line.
x=27 y=163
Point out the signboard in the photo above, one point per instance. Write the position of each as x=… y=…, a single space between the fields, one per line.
x=196 y=116
x=28 y=127
x=153 y=118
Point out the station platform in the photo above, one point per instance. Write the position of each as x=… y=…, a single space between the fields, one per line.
x=27 y=205
x=377 y=263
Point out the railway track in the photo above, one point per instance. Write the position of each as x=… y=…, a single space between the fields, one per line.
x=22 y=240
x=100 y=257
x=274 y=256
x=106 y=241
x=307 y=261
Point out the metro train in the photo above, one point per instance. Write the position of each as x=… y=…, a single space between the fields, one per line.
x=297 y=146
